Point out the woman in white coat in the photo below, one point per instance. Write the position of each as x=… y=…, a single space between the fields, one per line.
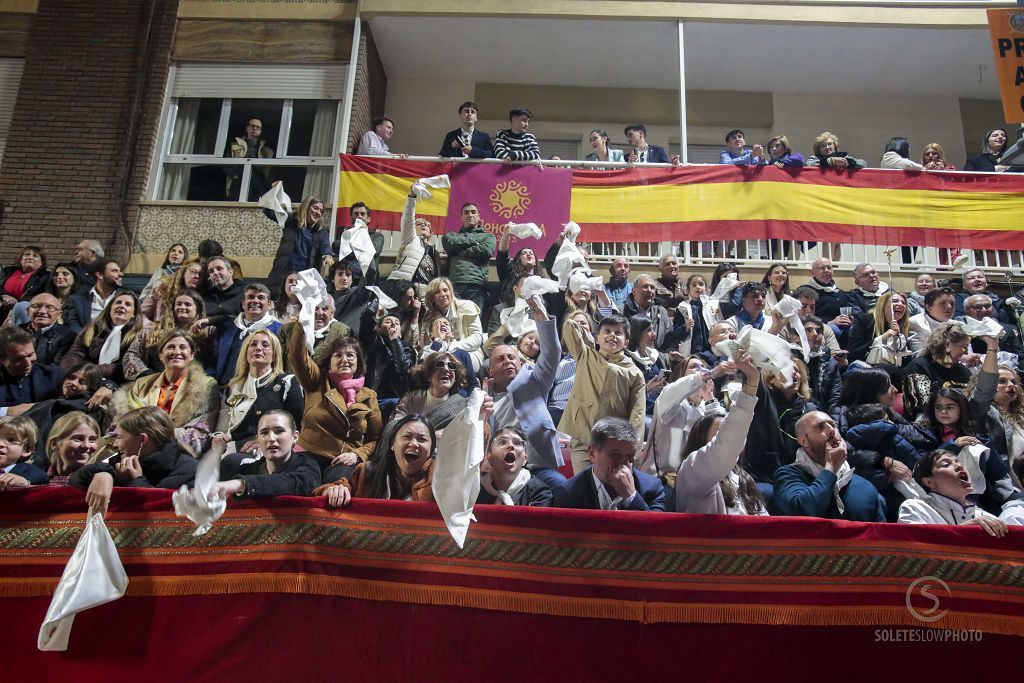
x=710 y=478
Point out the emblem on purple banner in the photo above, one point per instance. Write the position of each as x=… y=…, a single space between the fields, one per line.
x=516 y=194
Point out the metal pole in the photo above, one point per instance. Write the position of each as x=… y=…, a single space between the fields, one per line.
x=683 y=153
x=346 y=112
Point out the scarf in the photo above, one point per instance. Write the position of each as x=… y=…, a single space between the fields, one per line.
x=873 y=296
x=111 y=350
x=246 y=329
x=243 y=395
x=831 y=288
x=505 y=497
x=843 y=476
x=744 y=318
x=348 y=387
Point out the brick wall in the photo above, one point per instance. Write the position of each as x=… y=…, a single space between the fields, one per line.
x=370 y=89
x=85 y=124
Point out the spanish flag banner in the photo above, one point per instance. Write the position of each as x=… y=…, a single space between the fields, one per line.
x=637 y=204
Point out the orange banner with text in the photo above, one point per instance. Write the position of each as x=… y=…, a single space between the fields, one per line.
x=1006 y=26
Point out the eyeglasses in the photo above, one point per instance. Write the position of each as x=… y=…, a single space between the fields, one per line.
x=446 y=364
x=46 y=307
x=505 y=441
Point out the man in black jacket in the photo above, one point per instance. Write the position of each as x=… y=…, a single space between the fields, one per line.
x=52 y=339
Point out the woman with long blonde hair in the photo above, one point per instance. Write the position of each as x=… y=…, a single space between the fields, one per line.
x=258 y=386
x=305 y=240
x=71 y=445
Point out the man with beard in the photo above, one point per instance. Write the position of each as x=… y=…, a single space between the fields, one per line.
x=85 y=307
x=520 y=394
x=820 y=483
x=223 y=296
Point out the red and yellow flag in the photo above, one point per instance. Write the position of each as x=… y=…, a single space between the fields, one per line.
x=869 y=206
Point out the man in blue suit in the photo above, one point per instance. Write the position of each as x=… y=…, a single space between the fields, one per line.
x=643 y=153
x=611 y=482
x=466 y=141
x=520 y=395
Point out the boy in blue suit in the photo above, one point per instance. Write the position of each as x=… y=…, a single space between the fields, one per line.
x=611 y=482
x=17 y=442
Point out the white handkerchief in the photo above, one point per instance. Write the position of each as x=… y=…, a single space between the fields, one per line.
x=195 y=503
x=768 y=352
x=311 y=291
x=572 y=230
x=581 y=277
x=986 y=327
x=93 y=576
x=356 y=240
x=517 y=319
x=789 y=308
x=524 y=230
x=278 y=201
x=419 y=187
x=383 y=299
x=456 y=481
x=568 y=258
x=725 y=286
x=537 y=285
x=970 y=458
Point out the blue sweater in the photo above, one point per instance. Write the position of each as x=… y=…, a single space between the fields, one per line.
x=799 y=495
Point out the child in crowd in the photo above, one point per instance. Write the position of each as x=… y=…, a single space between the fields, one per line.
x=881 y=454
x=607 y=384
x=17 y=442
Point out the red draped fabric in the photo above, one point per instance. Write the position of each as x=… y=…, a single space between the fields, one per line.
x=289 y=590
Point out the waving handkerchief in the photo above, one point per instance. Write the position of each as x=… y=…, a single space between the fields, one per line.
x=517 y=319
x=278 y=201
x=725 y=286
x=986 y=327
x=535 y=285
x=456 y=481
x=383 y=300
x=420 y=187
x=356 y=240
x=789 y=308
x=93 y=576
x=195 y=503
x=311 y=291
x=768 y=351
x=572 y=230
x=524 y=230
x=582 y=277
x=569 y=257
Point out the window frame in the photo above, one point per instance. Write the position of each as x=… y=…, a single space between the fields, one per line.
x=169 y=119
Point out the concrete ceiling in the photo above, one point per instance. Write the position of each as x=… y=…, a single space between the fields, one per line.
x=739 y=57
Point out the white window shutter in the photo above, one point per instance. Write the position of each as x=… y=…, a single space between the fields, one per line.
x=321 y=81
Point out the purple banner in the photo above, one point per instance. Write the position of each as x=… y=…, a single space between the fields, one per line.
x=517 y=194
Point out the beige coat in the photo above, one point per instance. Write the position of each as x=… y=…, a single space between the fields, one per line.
x=605 y=386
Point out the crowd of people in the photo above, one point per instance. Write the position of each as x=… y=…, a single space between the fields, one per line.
x=606 y=392
x=516 y=143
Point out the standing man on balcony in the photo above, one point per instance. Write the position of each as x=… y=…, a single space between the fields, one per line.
x=469 y=256
x=249 y=146
x=643 y=153
x=466 y=142
x=735 y=154
x=514 y=143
